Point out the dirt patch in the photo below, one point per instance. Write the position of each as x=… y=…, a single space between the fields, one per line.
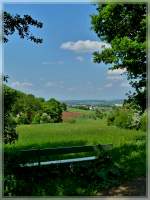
x=70 y=115
x=136 y=187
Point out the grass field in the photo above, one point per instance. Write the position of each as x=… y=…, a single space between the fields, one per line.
x=82 y=132
x=128 y=156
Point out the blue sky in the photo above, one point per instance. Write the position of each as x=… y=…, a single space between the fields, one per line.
x=61 y=67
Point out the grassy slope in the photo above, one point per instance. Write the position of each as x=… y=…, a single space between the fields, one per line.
x=83 y=132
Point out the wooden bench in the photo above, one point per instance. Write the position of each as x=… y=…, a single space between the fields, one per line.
x=39 y=153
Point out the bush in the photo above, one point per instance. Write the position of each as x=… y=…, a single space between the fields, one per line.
x=99 y=114
x=135 y=122
x=36 y=119
x=10 y=134
x=123 y=119
x=111 y=117
x=143 y=121
x=45 y=118
x=22 y=118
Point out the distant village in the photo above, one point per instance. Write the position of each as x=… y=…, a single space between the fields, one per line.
x=93 y=107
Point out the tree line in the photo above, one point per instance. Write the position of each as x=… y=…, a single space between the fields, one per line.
x=24 y=108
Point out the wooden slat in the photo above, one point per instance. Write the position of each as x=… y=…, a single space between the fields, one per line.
x=64 y=150
x=59 y=161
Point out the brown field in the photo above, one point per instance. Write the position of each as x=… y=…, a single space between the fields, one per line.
x=70 y=115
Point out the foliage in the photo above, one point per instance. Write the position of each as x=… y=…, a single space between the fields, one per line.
x=123 y=26
x=22 y=118
x=21 y=25
x=45 y=118
x=30 y=109
x=123 y=119
x=99 y=114
x=53 y=108
x=64 y=107
x=10 y=134
x=111 y=116
x=127 y=116
x=144 y=121
x=36 y=119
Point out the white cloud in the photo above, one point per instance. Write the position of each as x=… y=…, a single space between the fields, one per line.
x=17 y=84
x=84 y=46
x=108 y=85
x=80 y=58
x=116 y=71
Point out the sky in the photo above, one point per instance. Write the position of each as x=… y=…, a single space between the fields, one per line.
x=62 y=66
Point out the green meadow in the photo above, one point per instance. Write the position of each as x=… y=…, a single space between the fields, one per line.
x=81 y=132
x=128 y=158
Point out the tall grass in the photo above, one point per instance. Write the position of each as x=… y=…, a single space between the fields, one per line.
x=83 y=132
x=128 y=159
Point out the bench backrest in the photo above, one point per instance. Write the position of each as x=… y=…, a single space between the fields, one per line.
x=33 y=155
x=65 y=150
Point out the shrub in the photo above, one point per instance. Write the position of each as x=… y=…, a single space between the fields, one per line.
x=135 y=122
x=10 y=134
x=92 y=116
x=45 y=118
x=111 y=117
x=22 y=118
x=36 y=119
x=99 y=114
x=123 y=119
x=143 y=121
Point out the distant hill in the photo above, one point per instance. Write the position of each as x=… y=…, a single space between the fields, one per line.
x=93 y=102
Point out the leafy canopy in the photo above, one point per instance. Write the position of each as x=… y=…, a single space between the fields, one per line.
x=123 y=26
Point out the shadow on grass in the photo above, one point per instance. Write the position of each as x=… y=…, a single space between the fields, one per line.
x=86 y=179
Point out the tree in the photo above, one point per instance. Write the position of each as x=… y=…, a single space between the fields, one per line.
x=64 y=106
x=54 y=109
x=21 y=25
x=123 y=26
x=11 y=24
